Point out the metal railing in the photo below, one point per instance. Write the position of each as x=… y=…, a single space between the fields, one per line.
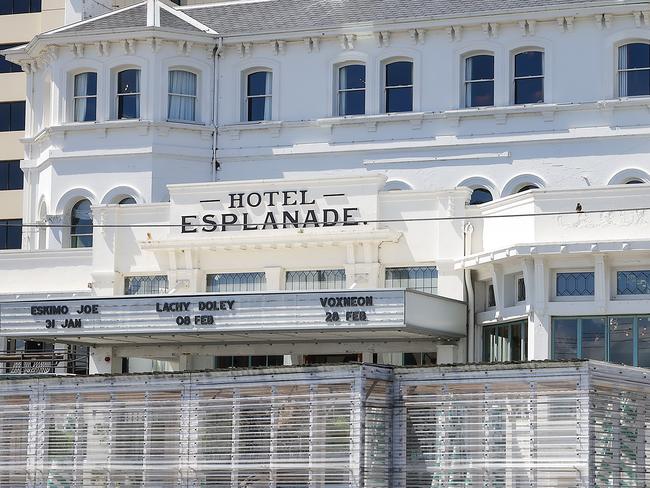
x=42 y=362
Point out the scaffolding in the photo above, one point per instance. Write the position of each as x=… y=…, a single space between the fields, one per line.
x=549 y=424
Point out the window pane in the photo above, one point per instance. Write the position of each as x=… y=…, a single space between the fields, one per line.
x=636 y=55
x=257 y=109
x=182 y=83
x=643 y=325
x=638 y=82
x=234 y=282
x=5 y=116
x=11 y=234
x=6 y=7
x=15 y=175
x=315 y=280
x=127 y=201
x=352 y=102
x=85 y=84
x=146 y=285
x=633 y=282
x=521 y=290
x=621 y=340
x=480 y=195
x=529 y=63
x=17 y=116
x=128 y=107
x=81 y=228
x=20 y=6
x=518 y=344
x=4 y=226
x=399 y=73
x=479 y=67
x=399 y=99
x=35 y=6
x=574 y=284
x=6 y=66
x=593 y=338
x=480 y=94
x=529 y=90
x=352 y=76
x=421 y=278
x=565 y=338
x=128 y=81
x=259 y=83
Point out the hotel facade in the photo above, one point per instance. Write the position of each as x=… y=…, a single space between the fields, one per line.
x=257 y=184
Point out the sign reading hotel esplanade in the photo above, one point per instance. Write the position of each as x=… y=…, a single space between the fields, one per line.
x=281 y=209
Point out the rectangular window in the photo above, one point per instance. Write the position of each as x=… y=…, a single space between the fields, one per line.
x=479 y=81
x=225 y=362
x=182 y=96
x=421 y=278
x=146 y=285
x=12 y=116
x=505 y=342
x=633 y=282
x=352 y=89
x=577 y=284
x=419 y=358
x=9 y=7
x=11 y=233
x=7 y=66
x=259 y=89
x=85 y=97
x=128 y=94
x=491 y=298
x=330 y=279
x=11 y=176
x=619 y=339
x=521 y=290
x=529 y=77
x=233 y=282
x=634 y=70
x=399 y=87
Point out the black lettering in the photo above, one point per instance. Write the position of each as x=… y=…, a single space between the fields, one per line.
x=254 y=197
x=303 y=198
x=226 y=220
x=288 y=217
x=236 y=200
x=231 y=304
x=248 y=226
x=347 y=216
x=187 y=226
x=329 y=222
x=286 y=195
x=212 y=224
x=271 y=200
x=269 y=220
x=311 y=218
x=323 y=302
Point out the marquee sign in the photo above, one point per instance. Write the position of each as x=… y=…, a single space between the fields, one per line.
x=168 y=314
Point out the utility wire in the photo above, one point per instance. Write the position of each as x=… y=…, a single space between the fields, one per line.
x=578 y=211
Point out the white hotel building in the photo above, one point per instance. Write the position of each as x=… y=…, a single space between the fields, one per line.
x=268 y=177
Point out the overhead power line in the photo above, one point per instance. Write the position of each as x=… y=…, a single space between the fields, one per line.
x=579 y=211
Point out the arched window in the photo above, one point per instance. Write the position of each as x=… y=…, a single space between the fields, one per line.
x=529 y=77
x=479 y=80
x=634 y=69
x=128 y=94
x=127 y=201
x=351 y=89
x=182 y=96
x=398 y=87
x=480 y=195
x=81 y=228
x=259 y=90
x=85 y=97
x=527 y=187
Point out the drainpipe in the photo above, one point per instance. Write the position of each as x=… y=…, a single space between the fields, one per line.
x=471 y=346
x=216 y=53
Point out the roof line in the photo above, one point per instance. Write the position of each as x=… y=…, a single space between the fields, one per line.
x=219 y=4
x=92 y=19
x=187 y=19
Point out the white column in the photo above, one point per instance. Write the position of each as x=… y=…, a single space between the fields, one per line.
x=601 y=283
x=274 y=278
x=102 y=360
x=539 y=330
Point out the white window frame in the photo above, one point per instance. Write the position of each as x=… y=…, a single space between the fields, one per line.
x=618 y=47
x=339 y=90
x=384 y=88
x=614 y=282
x=572 y=298
x=466 y=82
x=515 y=78
x=197 y=117
x=247 y=97
x=118 y=94
x=76 y=97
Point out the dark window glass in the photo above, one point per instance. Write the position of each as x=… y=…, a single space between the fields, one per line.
x=81 y=230
x=128 y=94
x=12 y=116
x=20 y=6
x=527 y=187
x=35 y=5
x=479 y=81
x=399 y=86
x=634 y=70
x=521 y=289
x=594 y=341
x=529 y=77
x=634 y=182
x=491 y=299
x=480 y=195
x=574 y=284
x=11 y=234
x=505 y=342
x=11 y=176
x=352 y=90
x=565 y=338
x=259 y=87
x=7 y=66
x=85 y=97
x=621 y=340
x=127 y=201
x=8 y=7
